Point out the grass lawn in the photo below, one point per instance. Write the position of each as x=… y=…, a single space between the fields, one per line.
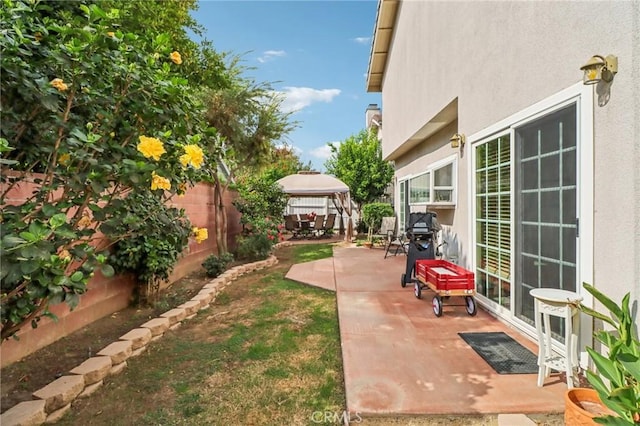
x=266 y=352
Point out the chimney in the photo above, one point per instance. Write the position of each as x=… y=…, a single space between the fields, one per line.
x=373 y=117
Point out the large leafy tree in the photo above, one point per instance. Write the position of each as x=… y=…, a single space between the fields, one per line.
x=202 y=65
x=249 y=116
x=282 y=161
x=93 y=109
x=357 y=161
x=101 y=100
x=250 y=121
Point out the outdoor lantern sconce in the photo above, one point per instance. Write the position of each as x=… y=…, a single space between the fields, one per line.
x=457 y=140
x=600 y=68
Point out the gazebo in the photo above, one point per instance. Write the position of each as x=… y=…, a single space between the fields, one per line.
x=315 y=184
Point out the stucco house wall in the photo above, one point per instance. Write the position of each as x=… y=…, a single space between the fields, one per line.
x=465 y=66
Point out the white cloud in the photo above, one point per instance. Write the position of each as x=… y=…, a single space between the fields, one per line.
x=362 y=40
x=296 y=98
x=270 y=55
x=324 y=151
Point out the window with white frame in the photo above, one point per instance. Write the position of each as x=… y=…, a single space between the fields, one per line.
x=420 y=189
x=436 y=185
x=443 y=184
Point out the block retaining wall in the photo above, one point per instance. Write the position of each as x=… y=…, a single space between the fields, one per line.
x=105 y=296
x=53 y=401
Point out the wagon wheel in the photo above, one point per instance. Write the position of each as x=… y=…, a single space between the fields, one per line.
x=417 y=290
x=403 y=281
x=437 y=306
x=471 y=305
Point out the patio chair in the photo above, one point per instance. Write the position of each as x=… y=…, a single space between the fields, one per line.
x=328 y=225
x=318 y=223
x=304 y=225
x=387 y=228
x=392 y=239
x=398 y=241
x=291 y=225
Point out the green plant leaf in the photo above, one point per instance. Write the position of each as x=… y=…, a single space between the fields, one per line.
x=9 y=241
x=50 y=102
x=77 y=276
x=107 y=271
x=606 y=367
x=96 y=11
x=56 y=298
x=28 y=236
x=606 y=301
x=34 y=252
x=626 y=397
x=72 y=299
x=632 y=364
x=612 y=421
x=65 y=233
x=49 y=210
x=58 y=220
x=28 y=266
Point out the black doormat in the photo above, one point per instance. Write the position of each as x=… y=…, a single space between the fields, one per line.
x=502 y=353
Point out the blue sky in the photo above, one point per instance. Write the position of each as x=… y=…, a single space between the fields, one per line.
x=314 y=52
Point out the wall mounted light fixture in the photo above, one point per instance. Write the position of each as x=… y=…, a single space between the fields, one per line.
x=600 y=68
x=458 y=140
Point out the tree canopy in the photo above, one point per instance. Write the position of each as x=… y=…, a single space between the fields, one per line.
x=249 y=117
x=100 y=100
x=357 y=161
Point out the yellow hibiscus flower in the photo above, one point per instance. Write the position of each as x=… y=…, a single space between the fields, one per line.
x=201 y=234
x=193 y=155
x=64 y=159
x=159 y=182
x=151 y=147
x=59 y=84
x=84 y=221
x=64 y=255
x=176 y=58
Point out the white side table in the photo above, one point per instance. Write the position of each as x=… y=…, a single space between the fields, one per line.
x=562 y=304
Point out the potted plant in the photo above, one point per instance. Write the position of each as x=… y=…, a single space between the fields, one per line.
x=616 y=379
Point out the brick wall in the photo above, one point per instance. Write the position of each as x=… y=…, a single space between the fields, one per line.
x=105 y=296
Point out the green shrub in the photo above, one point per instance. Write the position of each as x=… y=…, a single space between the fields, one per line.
x=97 y=108
x=156 y=236
x=215 y=265
x=254 y=247
x=259 y=200
x=373 y=213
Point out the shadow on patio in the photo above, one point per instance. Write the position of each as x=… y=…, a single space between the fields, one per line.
x=399 y=358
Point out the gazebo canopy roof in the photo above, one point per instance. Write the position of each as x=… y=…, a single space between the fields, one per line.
x=312 y=184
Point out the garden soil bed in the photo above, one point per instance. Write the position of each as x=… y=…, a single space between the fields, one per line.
x=22 y=378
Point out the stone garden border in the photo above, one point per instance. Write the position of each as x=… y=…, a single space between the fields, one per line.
x=53 y=401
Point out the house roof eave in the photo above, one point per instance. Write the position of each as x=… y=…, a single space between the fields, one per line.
x=382 y=35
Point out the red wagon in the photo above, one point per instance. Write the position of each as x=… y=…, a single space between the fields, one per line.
x=445 y=279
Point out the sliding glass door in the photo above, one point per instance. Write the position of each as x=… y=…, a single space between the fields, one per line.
x=546 y=226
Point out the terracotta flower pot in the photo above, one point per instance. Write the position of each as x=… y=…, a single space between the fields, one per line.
x=581 y=406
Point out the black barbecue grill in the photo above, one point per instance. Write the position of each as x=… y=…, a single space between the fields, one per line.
x=421 y=231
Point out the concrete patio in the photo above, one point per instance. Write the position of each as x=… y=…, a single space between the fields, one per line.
x=400 y=359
